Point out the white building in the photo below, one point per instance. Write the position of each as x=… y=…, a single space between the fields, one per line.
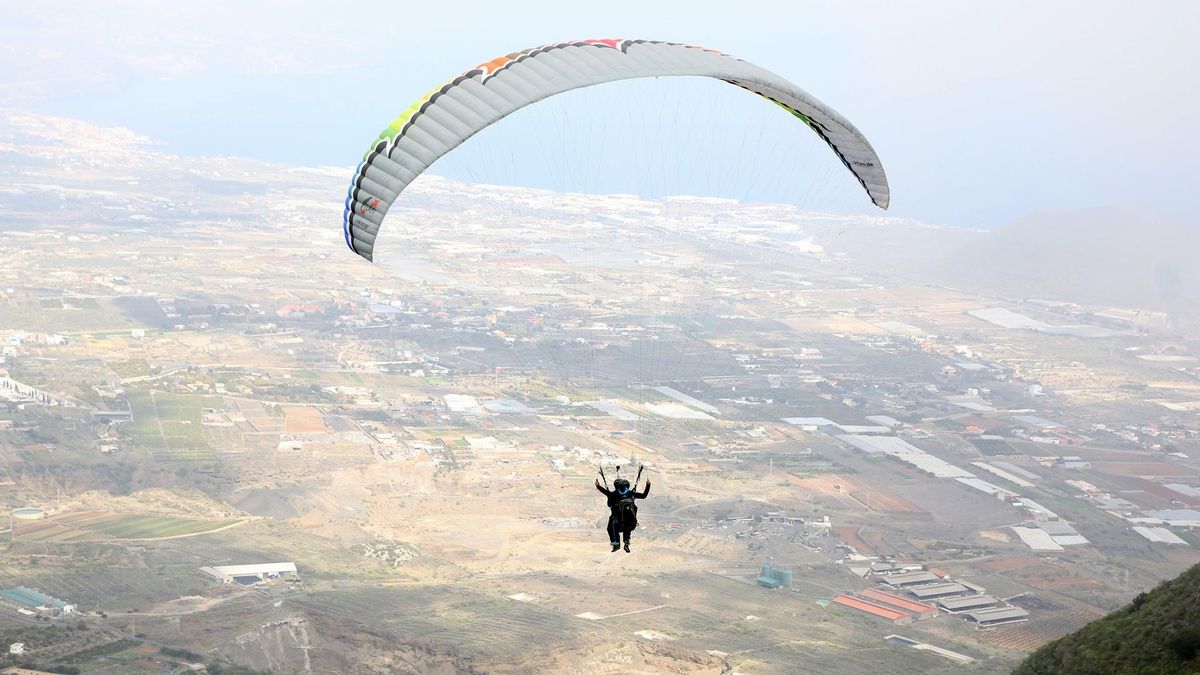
x=228 y=574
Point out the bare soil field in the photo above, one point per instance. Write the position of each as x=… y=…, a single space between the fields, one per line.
x=856 y=493
x=303 y=419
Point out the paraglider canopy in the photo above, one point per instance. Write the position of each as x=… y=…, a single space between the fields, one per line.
x=444 y=118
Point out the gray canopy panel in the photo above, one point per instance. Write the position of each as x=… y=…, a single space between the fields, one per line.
x=442 y=119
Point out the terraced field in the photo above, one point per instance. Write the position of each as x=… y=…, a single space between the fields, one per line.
x=91 y=526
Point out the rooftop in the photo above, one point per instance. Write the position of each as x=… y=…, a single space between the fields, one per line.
x=898 y=601
x=871 y=608
x=257 y=568
x=969 y=602
x=938 y=590
x=907 y=578
x=1000 y=614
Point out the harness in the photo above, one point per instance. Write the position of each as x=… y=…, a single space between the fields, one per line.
x=626 y=510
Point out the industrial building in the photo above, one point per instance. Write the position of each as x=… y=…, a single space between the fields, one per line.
x=996 y=617
x=249 y=574
x=968 y=603
x=910 y=579
x=31 y=602
x=936 y=591
x=919 y=610
x=880 y=611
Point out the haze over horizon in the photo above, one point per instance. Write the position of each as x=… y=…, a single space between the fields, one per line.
x=981 y=115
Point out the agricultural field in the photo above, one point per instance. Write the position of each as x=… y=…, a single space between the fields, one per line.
x=1031 y=635
x=130 y=368
x=301 y=419
x=61 y=643
x=89 y=526
x=122 y=587
x=854 y=493
x=69 y=315
x=169 y=425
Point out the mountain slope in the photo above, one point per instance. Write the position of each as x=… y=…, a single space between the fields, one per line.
x=1159 y=632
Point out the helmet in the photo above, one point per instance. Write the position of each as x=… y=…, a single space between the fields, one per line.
x=621 y=484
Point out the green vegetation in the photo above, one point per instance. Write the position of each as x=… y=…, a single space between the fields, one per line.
x=181 y=654
x=91 y=527
x=155 y=527
x=169 y=425
x=130 y=368
x=1159 y=632
x=49 y=316
x=107 y=649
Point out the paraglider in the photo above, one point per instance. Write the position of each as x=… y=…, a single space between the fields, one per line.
x=446 y=117
x=622 y=504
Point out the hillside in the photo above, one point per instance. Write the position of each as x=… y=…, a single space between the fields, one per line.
x=1159 y=632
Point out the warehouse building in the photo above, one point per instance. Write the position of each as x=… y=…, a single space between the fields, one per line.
x=874 y=609
x=919 y=610
x=936 y=591
x=999 y=616
x=910 y=579
x=250 y=574
x=967 y=604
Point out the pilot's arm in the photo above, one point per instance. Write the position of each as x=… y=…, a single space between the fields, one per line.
x=644 y=493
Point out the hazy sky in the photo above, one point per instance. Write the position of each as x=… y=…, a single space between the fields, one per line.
x=980 y=111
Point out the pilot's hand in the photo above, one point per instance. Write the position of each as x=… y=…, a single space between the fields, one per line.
x=597 y=482
x=647 y=485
